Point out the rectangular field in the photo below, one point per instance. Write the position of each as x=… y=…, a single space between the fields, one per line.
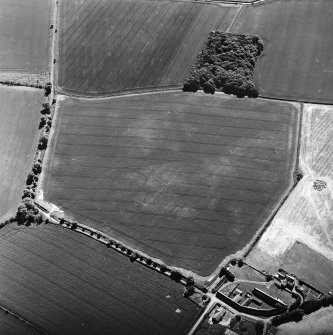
x=24 y=35
x=19 y=116
x=297 y=60
x=107 y=46
x=188 y=178
x=66 y=283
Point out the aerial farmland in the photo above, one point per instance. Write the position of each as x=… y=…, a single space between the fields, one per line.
x=166 y=167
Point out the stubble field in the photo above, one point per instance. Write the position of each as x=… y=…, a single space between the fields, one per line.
x=19 y=115
x=306 y=216
x=108 y=46
x=188 y=178
x=24 y=35
x=296 y=62
x=66 y=283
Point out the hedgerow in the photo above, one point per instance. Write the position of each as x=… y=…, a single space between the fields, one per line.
x=226 y=63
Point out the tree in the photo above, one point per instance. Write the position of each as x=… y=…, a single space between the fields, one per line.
x=74 y=226
x=134 y=256
x=149 y=261
x=31 y=178
x=27 y=193
x=21 y=214
x=176 y=275
x=240 y=262
x=209 y=87
x=259 y=327
x=163 y=268
x=188 y=291
x=191 y=84
x=42 y=122
x=190 y=280
x=48 y=86
x=46 y=108
x=37 y=168
x=43 y=142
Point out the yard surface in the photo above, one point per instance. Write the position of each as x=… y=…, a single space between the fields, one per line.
x=108 y=46
x=187 y=178
x=297 y=60
x=24 y=35
x=19 y=115
x=66 y=283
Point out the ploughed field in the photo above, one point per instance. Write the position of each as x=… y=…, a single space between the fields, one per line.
x=188 y=178
x=66 y=283
x=10 y=325
x=24 y=35
x=297 y=59
x=107 y=46
x=19 y=115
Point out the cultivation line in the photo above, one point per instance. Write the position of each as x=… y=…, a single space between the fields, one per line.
x=13 y=314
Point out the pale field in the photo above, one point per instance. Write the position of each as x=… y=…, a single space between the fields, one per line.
x=318 y=323
x=306 y=216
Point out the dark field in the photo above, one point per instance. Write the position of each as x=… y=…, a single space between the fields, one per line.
x=19 y=115
x=107 y=46
x=188 y=178
x=309 y=266
x=9 y=325
x=66 y=283
x=297 y=62
x=24 y=35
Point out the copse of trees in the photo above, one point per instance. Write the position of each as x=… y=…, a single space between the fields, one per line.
x=306 y=308
x=226 y=63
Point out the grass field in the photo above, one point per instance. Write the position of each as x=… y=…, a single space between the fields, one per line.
x=19 y=115
x=306 y=216
x=309 y=266
x=108 y=46
x=66 y=283
x=297 y=62
x=188 y=178
x=24 y=35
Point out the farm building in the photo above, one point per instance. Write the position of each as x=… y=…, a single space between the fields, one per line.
x=268 y=299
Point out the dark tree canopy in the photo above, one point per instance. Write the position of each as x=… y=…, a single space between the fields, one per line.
x=226 y=63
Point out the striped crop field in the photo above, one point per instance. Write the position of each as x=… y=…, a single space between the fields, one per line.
x=19 y=116
x=65 y=283
x=188 y=178
x=297 y=60
x=24 y=35
x=107 y=46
